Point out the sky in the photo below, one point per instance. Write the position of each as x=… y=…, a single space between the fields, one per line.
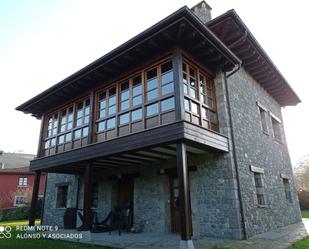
x=43 y=42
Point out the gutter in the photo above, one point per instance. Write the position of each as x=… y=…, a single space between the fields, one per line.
x=226 y=76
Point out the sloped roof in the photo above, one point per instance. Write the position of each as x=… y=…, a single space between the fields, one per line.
x=180 y=28
x=231 y=30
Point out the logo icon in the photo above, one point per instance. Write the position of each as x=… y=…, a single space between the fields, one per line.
x=5 y=232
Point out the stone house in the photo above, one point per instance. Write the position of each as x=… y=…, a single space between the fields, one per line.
x=184 y=121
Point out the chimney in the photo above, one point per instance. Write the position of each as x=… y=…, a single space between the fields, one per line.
x=203 y=11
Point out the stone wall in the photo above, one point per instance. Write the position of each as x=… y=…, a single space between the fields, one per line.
x=51 y=215
x=253 y=147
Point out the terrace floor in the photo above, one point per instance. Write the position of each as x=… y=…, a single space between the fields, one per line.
x=276 y=239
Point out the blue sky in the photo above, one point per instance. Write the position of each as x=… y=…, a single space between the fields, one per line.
x=42 y=42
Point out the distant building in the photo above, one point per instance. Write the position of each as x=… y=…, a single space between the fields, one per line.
x=16 y=187
x=14 y=160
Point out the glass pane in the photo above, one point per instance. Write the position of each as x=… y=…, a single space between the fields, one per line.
x=137 y=80
x=166 y=67
x=152 y=109
x=136 y=115
x=209 y=102
x=125 y=105
x=151 y=73
x=54 y=132
x=61 y=139
x=152 y=94
x=137 y=90
x=112 y=91
x=63 y=117
x=70 y=125
x=111 y=123
x=62 y=128
x=112 y=101
x=47 y=144
x=85 y=131
x=204 y=112
x=102 y=113
x=168 y=77
x=167 y=104
x=187 y=105
x=53 y=142
x=169 y=88
x=193 y=92
x=152 y=84
x=87 y=110
x=184 y=66
x=194 y=108
x=70 y=116
x=192 y=72
x=86 y=120
x=112 y=110
x=102 y=104
x=79 y=113
x=79 y=122
x=49 y=133
x=185 y=89
x=77 y=134
x=102 y=96
x=124 y=118
x=124 y=86
x=101 y=126
x=137 y=100
x=124 y=95
x=68 y=137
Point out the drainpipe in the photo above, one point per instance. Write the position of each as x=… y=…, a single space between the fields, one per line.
x=226 y=76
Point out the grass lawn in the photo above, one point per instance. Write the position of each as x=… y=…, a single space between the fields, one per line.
x=305 y=213
x=301 y=244
x=14 y=243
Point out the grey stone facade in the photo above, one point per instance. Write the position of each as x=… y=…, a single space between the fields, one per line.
x=215 y=204
x=253 y=147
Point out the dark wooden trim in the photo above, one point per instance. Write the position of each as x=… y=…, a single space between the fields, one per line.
x=124 y=146
x=87 y=197
x=179 y=96
x=184 y=195
x=35 y=192
x=91 y=117
x=42 y=128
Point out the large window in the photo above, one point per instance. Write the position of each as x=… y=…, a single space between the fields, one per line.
x=200 y=101
x=68 y=125
x=62 y=195
x=142 y=101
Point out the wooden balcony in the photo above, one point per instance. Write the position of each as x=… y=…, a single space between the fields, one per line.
x=135 y=149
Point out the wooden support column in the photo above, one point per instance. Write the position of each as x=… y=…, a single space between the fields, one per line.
x=184 y=196
x=179 y=95
x=87 y=197
x=34 y=200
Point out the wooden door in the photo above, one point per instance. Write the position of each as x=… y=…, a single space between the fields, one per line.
x=175 y=207
x=125 y=190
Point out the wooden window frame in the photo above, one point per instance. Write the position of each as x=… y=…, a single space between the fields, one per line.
x=51 y=150
x=210 y=119
x=132 y=108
